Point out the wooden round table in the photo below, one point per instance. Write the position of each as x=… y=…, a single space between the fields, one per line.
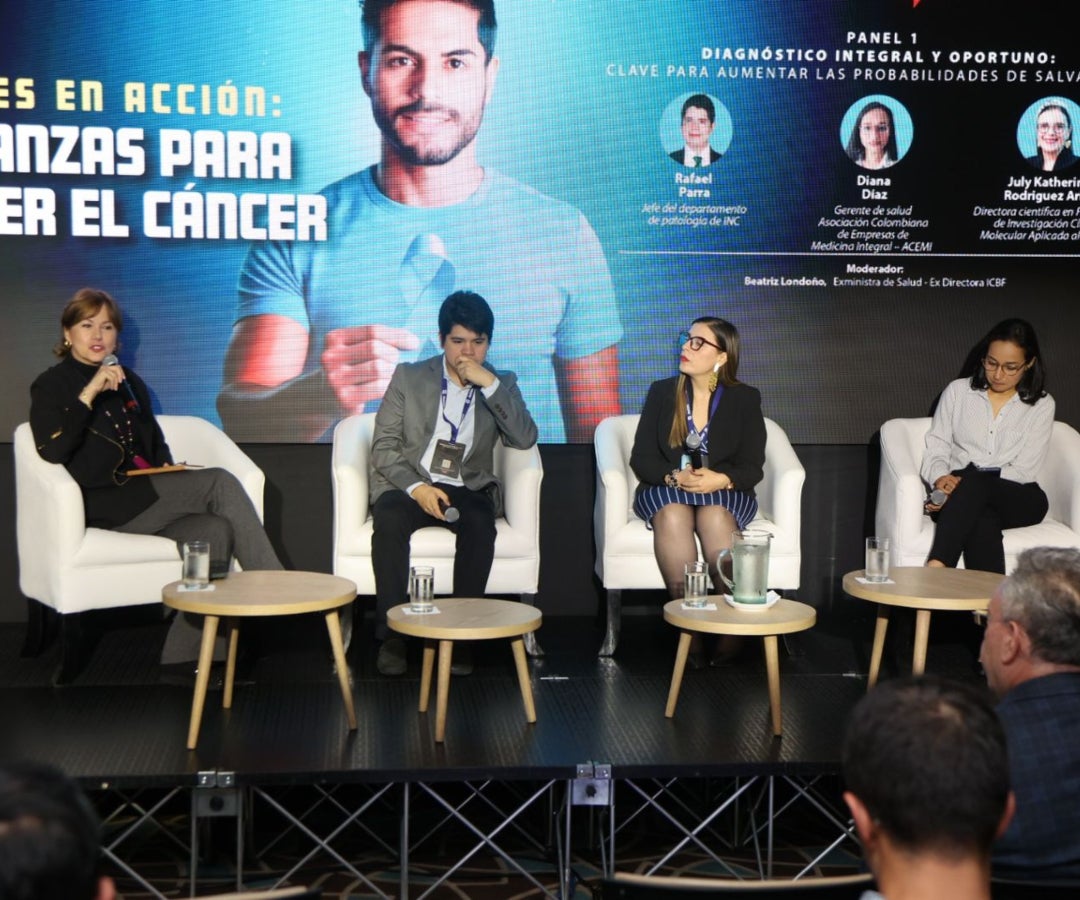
x=466 y=619
x=268 y=593
x=783 y=617
x=923 y=589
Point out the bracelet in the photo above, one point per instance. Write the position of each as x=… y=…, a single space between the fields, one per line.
x=672 y=478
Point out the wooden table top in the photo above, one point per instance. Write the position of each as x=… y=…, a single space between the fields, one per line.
x=783 y=617
x=263 y=593
x=466 y=619
x=922 y=587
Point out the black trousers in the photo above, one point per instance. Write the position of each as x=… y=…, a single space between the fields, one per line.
x=971 y=521
x=396 y=516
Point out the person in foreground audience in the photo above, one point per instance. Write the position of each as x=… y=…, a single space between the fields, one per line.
x=927 y=783
x=94 y=417
x=705 y=404
x=1031 y=656
x=432 y=451
x=50 y=842
x=985 y=447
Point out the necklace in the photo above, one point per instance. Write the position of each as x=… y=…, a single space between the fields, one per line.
x=125 y=435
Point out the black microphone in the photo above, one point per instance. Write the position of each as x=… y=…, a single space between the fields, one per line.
x=699 y=458
x=132 y=402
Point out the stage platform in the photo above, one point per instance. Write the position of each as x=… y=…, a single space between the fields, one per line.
x=121 y=732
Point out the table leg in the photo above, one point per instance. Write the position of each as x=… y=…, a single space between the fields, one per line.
x=442 y=688
x=202 y=678
x=880 y=627
x=337 y=645
x=772 y=668
x=425 y=675
x=676 y=676
x=522 y=665
x=922 y=638
x=230 y=664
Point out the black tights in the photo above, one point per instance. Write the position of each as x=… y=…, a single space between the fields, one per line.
x=674 y=527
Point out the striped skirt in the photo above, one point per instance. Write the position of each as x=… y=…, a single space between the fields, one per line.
x=651 y=498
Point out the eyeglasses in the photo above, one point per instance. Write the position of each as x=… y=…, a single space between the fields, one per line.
x=695 y=342
x=992 y=365
x=1056 y=127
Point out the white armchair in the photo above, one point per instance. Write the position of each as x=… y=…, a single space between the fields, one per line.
x=624 y=546
x=71 y=568
x=516 y=567
x=901 y=494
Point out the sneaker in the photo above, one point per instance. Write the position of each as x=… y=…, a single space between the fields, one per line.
x=391 y=658
x=462 y=661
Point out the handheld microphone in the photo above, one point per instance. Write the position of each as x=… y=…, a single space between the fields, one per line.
x=699 y=458
x=450 y=513
x=132 y=403
x=937 y=497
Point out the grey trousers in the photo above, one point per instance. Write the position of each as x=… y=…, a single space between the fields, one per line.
x=207 y=505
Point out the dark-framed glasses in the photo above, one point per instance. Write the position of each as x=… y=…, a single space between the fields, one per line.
x=1010 y=368
x=695 y=342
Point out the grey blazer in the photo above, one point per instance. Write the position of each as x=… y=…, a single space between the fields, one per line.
x=406 y=420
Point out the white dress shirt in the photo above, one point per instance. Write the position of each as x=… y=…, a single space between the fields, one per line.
x=965 y=430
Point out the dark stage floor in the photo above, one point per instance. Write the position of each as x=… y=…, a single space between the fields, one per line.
x=119 y=725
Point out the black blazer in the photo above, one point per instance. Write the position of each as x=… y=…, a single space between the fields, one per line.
x=736 y=436
x=84 y=441
x=679 y=156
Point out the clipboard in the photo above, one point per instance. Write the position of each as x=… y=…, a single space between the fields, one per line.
x=157 y=470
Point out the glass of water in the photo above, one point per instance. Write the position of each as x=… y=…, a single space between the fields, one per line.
x=196 y=569
x=696 y=585
x=422 y=589
x=877 y=559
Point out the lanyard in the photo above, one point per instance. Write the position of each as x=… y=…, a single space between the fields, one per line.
x=454 y=429
x=704 y=433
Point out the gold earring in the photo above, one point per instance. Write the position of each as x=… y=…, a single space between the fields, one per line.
x=67 y=344
x=714 y=378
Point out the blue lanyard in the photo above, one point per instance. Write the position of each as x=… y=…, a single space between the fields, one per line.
x=704 y=433
x=454 y=429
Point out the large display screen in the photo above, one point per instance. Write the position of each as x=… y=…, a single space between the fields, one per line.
x=863 y=189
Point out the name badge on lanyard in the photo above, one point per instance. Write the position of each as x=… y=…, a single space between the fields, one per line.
x=449 y=454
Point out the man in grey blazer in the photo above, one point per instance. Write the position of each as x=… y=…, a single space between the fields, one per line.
x=435 y=435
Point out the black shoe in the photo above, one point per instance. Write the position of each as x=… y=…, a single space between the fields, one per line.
x=695 y=659
x=462 y=661
x=728 y=648
x=391 y=659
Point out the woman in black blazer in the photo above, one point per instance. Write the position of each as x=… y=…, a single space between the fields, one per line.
x=94 y=417
x=704 y=405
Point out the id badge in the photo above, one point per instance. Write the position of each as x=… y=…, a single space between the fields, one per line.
x=446 y=461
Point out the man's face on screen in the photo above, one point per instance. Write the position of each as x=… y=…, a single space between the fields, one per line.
x=696 y=128
x=428 y=79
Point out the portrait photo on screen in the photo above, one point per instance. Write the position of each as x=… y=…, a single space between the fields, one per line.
x=1045 y=134
x=698 y=129
x=876 y=132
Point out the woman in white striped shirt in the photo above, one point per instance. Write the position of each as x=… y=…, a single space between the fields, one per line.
x=986 y=445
